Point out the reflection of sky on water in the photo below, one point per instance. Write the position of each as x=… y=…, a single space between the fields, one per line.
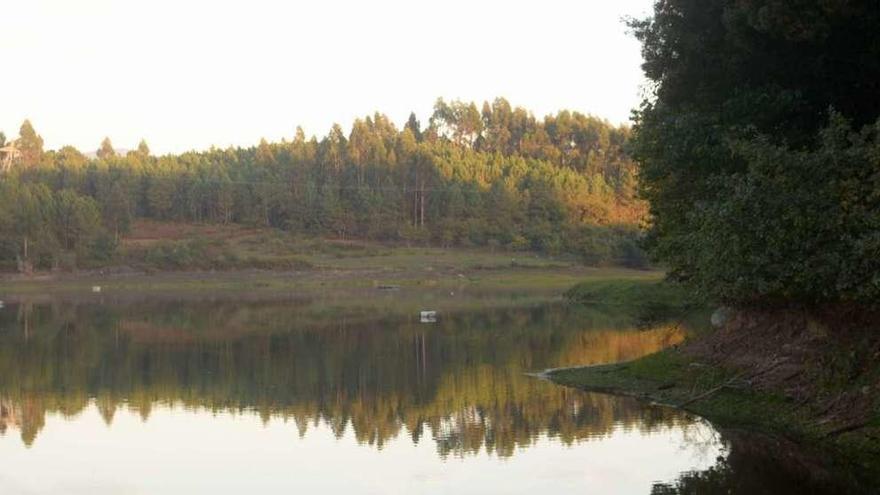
x=185 y=451
x=265 y=396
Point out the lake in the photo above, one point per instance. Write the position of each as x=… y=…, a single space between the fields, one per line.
x=221 y=394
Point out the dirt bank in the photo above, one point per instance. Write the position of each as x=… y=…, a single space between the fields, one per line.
x=828 y=362
x=812 y=377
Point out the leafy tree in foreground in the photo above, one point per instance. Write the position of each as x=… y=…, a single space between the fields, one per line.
x=759 y=148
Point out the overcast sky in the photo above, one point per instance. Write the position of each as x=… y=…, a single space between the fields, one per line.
x=188 y=74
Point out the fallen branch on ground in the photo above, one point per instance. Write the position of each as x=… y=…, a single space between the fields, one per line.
x=846 y=429
x=711 y=391
x=728 y=383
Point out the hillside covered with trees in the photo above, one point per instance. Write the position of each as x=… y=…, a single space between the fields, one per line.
x=494 y=176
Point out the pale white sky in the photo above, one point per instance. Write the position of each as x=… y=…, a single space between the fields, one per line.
x=188 y=74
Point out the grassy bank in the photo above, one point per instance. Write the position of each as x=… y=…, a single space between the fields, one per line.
x=169 y=257
x=671 y=378
x=759 y=385
x=403 y=271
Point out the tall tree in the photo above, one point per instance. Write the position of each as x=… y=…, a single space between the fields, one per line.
x=414 y=126
x=76 y=219
x=142 y=149
x=30 y=144
x=117 y=211
x=106 y=150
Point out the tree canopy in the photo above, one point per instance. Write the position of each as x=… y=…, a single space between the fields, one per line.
x=497 y=177
x=758 y=147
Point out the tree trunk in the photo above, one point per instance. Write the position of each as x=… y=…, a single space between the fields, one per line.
x=415 y=216
x=422 y=201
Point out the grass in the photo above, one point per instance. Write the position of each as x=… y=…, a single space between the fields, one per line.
x=671 y=378
x=683 y=377
x=668 y=377
x=404 y=272
x=650 y=297
x=632 y=291
x=168 y=246
x=169 y=257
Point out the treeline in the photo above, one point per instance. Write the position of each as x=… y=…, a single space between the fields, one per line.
x=494 y=177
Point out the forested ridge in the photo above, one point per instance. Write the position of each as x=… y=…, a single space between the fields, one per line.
x=495 y=176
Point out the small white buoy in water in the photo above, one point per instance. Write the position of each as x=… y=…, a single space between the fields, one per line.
x=96 y=288
x=428 y=316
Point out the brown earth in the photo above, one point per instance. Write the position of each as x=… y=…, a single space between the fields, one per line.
x=827 y=362
x=148 y=232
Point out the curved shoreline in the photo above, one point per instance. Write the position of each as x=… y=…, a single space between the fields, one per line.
x=671 y=379
x=549 y=374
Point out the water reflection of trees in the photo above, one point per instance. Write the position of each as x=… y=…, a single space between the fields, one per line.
x=757 y=464
x=460 y=381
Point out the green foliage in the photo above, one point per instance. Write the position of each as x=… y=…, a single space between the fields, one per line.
x=472 y=178
x=106 y=150
x=202 y=254
x=47 y=229
x=174 y=254
x=803 y=225
x=759 y=148
x=143 y=150
x=651 y=301
x=103 y=247
x=30 y=144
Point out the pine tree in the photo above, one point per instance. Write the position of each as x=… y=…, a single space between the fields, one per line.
x=414 y=126
x=30 y=144
x=143 y=150
x=106 y=150
x=117 y=211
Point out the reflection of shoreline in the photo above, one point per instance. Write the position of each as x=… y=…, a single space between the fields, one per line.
x=583 y=417
x=180 y=452
x=376 y=378
x=755 y=462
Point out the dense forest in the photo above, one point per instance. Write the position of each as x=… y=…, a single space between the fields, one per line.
x=495 y=176
x=759 y=148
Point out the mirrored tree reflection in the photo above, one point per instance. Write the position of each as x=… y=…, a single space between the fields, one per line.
x=459 y=383
x=757 y=464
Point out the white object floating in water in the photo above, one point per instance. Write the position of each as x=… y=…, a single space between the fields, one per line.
x=428 y=316
x=1 y=304
x=96 y=288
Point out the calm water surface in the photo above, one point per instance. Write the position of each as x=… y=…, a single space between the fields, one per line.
x=218 y=395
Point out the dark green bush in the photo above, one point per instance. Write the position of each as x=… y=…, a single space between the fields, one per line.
x=759 y=149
